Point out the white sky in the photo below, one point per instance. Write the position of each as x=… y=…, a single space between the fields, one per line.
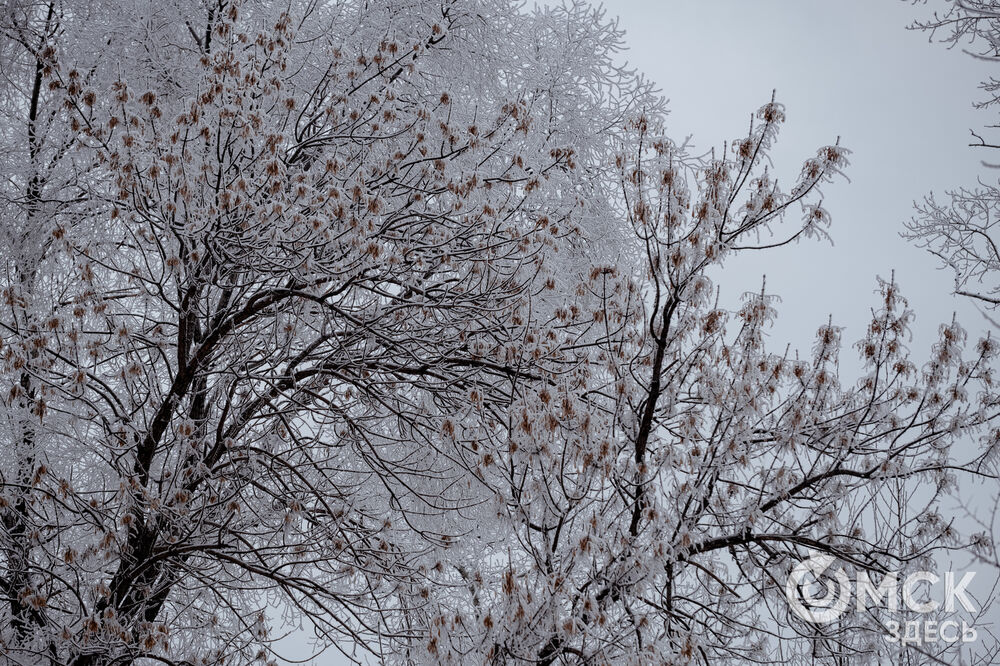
x=845 y=68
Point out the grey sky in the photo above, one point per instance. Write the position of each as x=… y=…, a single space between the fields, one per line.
x=848 y=68
x=845 y=68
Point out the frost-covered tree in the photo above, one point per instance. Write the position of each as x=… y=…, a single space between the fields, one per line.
x=960 y=229
x=655 y=491
x=390 y=323
x=257 y=257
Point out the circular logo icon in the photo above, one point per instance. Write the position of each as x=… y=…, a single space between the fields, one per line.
x=818 y=610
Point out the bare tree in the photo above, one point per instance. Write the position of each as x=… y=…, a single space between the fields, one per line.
x=960 y=227
x=960 y=230
x=288 y=250
x=392 y=321
x=656 y=492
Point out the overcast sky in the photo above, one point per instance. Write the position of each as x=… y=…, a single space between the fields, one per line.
x=846 y=68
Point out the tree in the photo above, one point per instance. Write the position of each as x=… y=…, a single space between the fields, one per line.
x=658 y=488
x=261 y=258
x=392 y=321
x=961 y=231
